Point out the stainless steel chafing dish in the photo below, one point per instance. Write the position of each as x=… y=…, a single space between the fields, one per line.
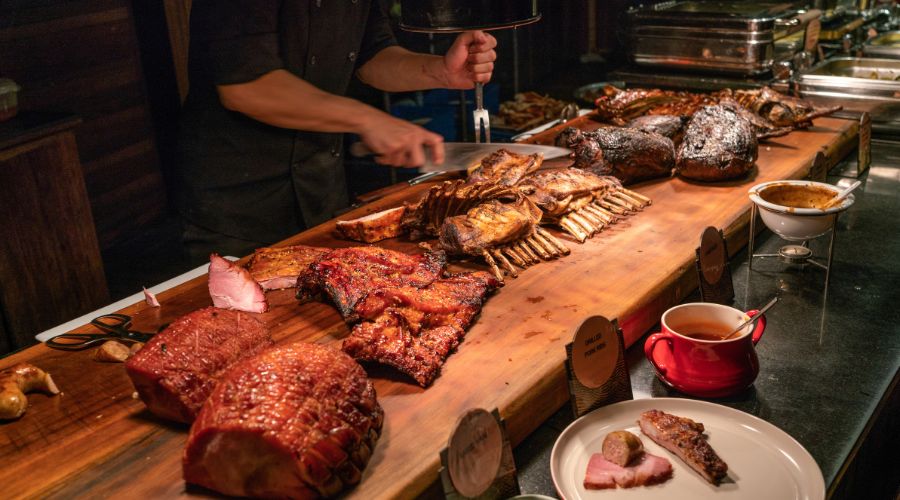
x=858 y=84
x=884 y=45
x=733 y=37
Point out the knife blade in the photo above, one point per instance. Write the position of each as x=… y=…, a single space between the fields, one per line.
x=462 y=155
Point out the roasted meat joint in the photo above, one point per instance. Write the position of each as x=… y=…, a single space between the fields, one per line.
x=284 y=251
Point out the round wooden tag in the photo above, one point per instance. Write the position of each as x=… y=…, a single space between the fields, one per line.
x=595 y=351
x=474 y=452
x=712 y=255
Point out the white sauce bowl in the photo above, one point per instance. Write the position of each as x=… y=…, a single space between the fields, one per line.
x=797 y=224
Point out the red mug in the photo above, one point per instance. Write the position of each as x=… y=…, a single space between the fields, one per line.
x=705 y=368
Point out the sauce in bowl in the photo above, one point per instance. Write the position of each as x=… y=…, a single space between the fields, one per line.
x=797 y=195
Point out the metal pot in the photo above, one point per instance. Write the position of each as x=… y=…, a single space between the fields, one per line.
x=462 y=15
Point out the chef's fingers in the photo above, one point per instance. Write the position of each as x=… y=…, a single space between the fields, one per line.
x=481 y=41
x=435 y=144
x=481 y=57
x=415 y=156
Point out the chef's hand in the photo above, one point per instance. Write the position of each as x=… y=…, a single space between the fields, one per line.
x=399 y=143
x=470 y=59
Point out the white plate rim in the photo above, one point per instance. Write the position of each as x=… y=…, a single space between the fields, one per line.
x=799 y=454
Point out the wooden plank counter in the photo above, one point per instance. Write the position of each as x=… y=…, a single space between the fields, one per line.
x=96 y=440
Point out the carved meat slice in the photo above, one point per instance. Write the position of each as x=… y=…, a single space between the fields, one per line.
x=414 y=329
x=347 y=275
x=374 y=227
x=684 y=437
x=276 y=268
x=501 y=231
x=644 y=471
x=232 y=287
x=505 y=168
x=298 y=421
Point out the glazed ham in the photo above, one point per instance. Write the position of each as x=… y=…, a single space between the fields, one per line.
x=374 y=227
x=414 y=329
x=232 y=287
x=277 y=268
x=347 y=275
x=178 y=368
x=684 y=437
x=646 y=470
x=298 y=421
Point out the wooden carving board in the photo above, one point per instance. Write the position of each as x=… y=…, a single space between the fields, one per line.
x=96 y=440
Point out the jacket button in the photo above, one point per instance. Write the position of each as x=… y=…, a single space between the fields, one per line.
x=335 y=153
x=312 y=61
x=351 y=56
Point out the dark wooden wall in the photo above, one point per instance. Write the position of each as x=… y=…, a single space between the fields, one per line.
x=82 y=56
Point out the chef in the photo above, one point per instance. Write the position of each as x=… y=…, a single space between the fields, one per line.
x=260 y=142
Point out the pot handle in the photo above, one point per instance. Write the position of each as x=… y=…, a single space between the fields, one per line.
x=760 y=325
x=650 y=345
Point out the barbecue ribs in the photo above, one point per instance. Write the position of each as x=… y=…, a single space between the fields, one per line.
x=347 y=275
x=414 y=329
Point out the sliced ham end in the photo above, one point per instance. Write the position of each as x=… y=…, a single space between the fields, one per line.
x=150 y=298
x=232 y=287
x=647 y=470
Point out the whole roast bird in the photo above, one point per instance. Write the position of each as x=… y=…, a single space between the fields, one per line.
x=719 y=144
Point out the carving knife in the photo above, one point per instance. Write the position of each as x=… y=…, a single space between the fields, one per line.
x=463 y=155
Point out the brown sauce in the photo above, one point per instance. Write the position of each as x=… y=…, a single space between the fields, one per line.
x=705 y=330
x=797 y=196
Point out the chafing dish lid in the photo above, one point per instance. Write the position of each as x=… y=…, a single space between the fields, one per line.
x=754 y=16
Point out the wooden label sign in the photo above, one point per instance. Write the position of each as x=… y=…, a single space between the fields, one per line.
x=865 y=143
x=713 y=272
x=478 y=461
x=595 y=363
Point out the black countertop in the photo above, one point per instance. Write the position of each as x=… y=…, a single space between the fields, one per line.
x=826 y=360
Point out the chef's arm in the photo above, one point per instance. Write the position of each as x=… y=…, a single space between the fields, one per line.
x=470 y=59
x=282 y=99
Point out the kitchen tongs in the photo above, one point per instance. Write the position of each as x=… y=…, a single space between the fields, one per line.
x=481 y=115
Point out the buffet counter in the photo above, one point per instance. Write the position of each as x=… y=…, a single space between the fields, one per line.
x=828 y=364
x=96 y=439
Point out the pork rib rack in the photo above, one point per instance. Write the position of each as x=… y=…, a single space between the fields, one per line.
x=496 y=230
x=347 y=275
x=414 y=329
x=580 y=202
x=298 y=421
x=177 y=369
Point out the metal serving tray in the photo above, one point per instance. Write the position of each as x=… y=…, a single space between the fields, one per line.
x=858 y=72
x=845 y=81
x=730 y=37
x=885 y=45
x=734 y=15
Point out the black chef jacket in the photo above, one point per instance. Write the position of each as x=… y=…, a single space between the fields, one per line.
x=241 y=177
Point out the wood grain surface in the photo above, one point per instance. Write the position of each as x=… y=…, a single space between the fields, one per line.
x=96 y=440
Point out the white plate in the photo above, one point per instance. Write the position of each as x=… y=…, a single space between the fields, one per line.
x=763 y=461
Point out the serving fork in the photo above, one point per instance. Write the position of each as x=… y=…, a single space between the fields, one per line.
x=481 y=115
